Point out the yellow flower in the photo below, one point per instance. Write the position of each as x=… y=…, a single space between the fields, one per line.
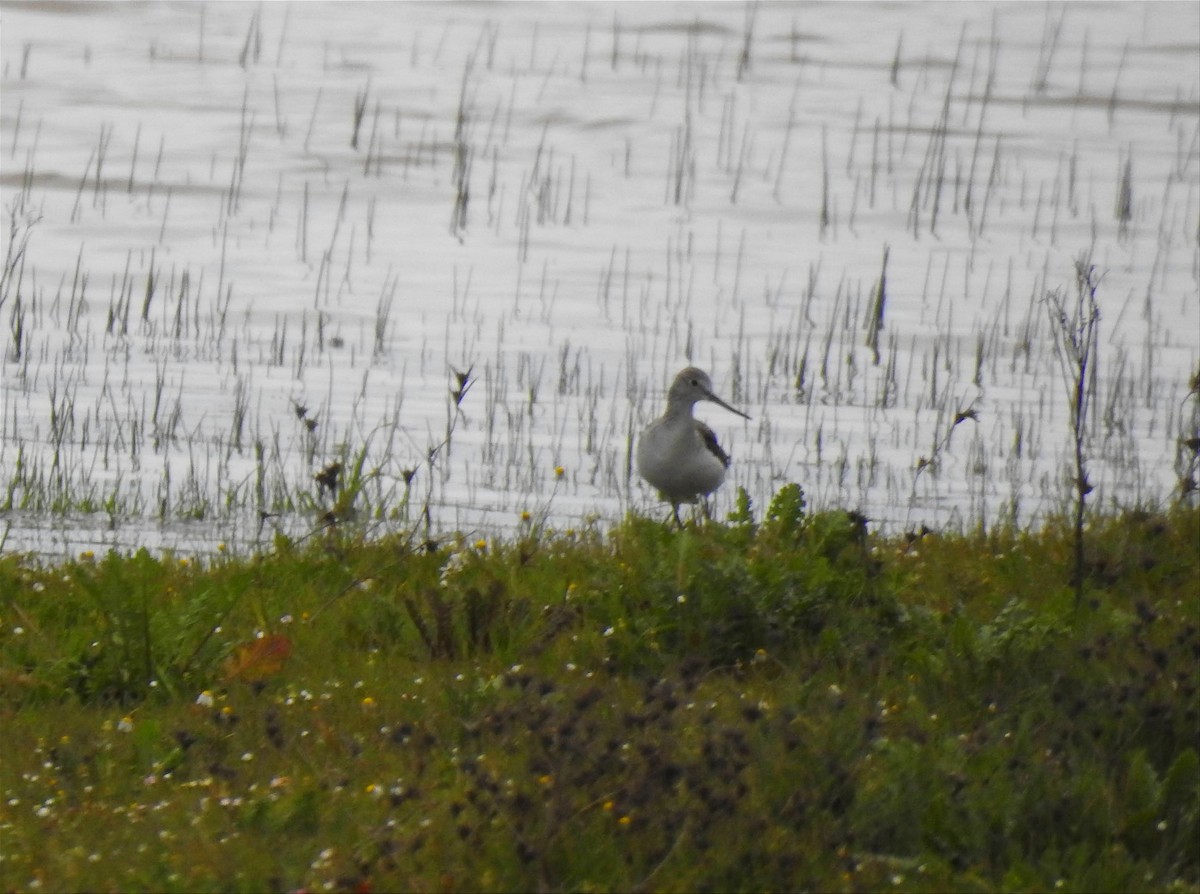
x=559 y=471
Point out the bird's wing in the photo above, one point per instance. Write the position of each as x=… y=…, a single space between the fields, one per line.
x=710 y=441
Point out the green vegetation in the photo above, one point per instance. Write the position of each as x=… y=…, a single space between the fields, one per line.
x=783 y=701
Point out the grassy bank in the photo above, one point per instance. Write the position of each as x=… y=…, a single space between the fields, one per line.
x=783 y=701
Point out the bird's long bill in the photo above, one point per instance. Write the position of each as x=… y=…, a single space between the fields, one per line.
x=716 y=400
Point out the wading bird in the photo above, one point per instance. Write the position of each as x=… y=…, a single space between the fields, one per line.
x=678 y=454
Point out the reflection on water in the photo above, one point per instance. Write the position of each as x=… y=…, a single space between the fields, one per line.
x=220 y=214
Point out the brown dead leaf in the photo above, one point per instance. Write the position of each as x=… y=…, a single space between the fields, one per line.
x=259 y=658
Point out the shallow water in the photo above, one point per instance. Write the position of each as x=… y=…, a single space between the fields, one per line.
x=201 y=246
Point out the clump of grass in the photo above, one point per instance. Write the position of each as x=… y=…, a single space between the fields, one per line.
x=786 y=700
